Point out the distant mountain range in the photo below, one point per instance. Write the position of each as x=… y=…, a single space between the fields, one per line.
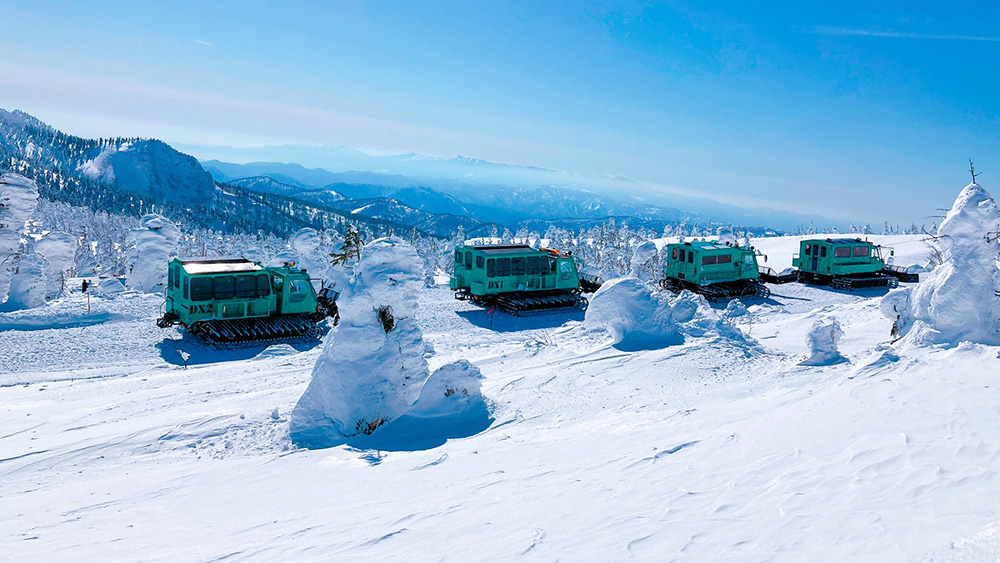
x=492 y=191
x=395 y=193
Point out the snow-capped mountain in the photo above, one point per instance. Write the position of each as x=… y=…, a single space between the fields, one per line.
x=150 y=167
x=133 y=177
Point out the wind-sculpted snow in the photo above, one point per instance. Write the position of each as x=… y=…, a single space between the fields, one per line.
x=152 y=246
x=637 y=317
x=18 y=199
x=956 y=301
x=371 y=385
x=822 y=340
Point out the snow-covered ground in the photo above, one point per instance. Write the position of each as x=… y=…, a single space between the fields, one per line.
x=712 y=449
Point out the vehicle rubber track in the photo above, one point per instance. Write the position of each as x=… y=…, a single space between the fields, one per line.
x=524 y=302
x=719 y=291
x=851 y=283
x=262 y=328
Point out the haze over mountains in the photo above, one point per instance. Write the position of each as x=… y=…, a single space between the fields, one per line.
x=490 y=191
x=396 y=192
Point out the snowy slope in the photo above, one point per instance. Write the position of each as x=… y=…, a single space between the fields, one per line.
x=151 y=167
x=701 y=451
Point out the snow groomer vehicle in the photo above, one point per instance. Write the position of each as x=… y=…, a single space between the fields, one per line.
x=716 y=270
x=845 y=264
x=517 y=278
x=234 y=299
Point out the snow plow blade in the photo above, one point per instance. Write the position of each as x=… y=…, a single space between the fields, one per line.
x=524 y=302
x=590 y=283
x=264 y=328
x=770 y=276
x=901 y=274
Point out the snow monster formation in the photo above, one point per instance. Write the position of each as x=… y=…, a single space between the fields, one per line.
x=306 y=251
x=957 y=301
x=638 y=317
x=59 y=250
x=18 y=199
x=822 y=340
x=152 y=245
x=371 y=386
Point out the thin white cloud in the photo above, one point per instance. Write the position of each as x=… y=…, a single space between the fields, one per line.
x=203 y=42
x=846 y=32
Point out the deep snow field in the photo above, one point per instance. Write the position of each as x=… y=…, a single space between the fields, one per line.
x=711 y=450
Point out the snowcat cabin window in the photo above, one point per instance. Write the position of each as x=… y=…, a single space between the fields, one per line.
x=246 y=286
x=531 y=266
x=724 y=259
x=297 y=290
x=480 y=261
x=842 y=252
x=263 y=285
x=673 y=254
x=748 y=258
x=690 y=257
x=225 y=287
x=458 y=256
x=808 y=249
x=707 y=260
x=682 y=255
x=468 y=260
x=552 y=266
x=491 y=268
x=517 y=266
x=822 y=252
x=861 y=252
x=503 y=267
x=171 y=277
x=185 y=288
x=201 y=289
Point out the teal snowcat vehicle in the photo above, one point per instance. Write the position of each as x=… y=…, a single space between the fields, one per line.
x=843 y=264
x=234 y=299
x=717 y=271
x=516 y=278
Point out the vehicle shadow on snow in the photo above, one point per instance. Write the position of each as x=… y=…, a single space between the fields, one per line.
x=502 y=322
x=189 y=350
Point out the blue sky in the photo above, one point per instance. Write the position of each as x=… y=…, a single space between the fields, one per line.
x=861 y=111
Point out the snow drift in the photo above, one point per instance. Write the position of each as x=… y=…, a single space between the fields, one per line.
x=371 y=385
x=152 y=246
x=640 y=318
x=956 y=301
